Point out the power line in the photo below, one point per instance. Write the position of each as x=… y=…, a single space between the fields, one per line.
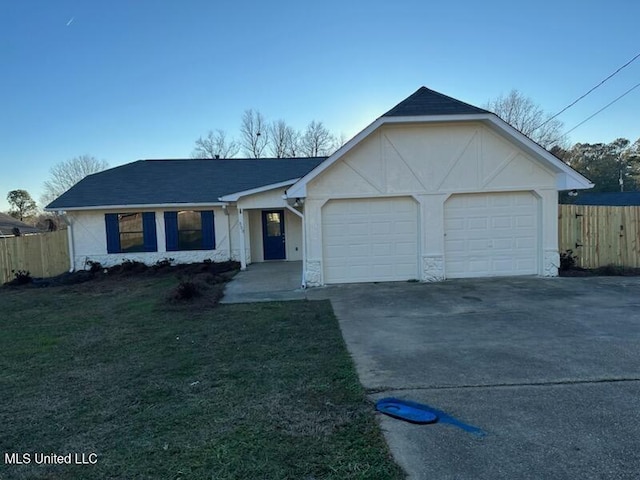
x=581 y=97
x=601 y=110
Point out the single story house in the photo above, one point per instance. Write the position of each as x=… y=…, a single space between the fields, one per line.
x=603 y=199
x=12 y=227
x=435 y=188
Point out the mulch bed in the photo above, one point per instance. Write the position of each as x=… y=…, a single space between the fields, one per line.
x=210 y=272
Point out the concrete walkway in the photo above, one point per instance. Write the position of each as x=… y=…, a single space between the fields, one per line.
x=266 y=282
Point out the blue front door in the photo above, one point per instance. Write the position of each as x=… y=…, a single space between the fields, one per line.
x=273 y=234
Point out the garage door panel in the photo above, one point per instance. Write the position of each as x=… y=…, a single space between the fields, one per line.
x=491 y=234
x=525 y=221
x=370 y=240
x=501 y=222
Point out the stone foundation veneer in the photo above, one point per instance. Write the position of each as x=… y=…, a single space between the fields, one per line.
x=313 y=273
x=551 y=263
x=432 y=268
x=151 y=258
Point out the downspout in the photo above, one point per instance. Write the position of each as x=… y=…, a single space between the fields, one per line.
x=72 y=256
x=304 y=244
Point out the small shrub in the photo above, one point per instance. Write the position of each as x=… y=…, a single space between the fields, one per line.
x=165 y=262
x=94 y=267
x=185 y=291
x=568 y=260
x=21 y=277
x=129 y=267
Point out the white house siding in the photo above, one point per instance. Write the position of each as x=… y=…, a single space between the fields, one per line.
x=90 y=240
x=430 y=163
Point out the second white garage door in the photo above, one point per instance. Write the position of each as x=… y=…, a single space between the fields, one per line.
x=491 y=235
x=370 y=240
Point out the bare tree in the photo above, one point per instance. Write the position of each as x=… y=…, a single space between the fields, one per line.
x=254 y=133
x=317 y=140
x=339 y=141
x=65 y=175
x=283 y=139
x=215 y=145
x=522 y=113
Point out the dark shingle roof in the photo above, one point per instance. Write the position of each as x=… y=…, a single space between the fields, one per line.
x=156 y=182
x=429 y=102
x=614 y=199
x=8 y=223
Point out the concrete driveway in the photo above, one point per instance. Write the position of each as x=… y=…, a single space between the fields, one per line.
x=549 y=368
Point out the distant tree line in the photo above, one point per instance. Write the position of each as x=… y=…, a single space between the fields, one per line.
x=260 y=138
x=611 y=166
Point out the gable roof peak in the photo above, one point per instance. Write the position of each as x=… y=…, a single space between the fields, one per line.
x=426 y=102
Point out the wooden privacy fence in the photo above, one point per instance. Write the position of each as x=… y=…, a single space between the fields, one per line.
x=43 y=255
x=600 y=236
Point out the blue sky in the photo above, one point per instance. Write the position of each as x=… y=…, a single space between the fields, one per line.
x=125 y=80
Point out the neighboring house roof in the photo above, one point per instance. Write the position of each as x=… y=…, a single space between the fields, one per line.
x=189 y=181
x=427 y=106
x=8 y=223
x=617 y=199
x=429 y=102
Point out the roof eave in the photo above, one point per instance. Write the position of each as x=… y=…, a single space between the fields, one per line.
x=136 y=206
x=234 y=197
x=568 y=178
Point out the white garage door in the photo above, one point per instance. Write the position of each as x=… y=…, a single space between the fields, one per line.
x=370 y=240
x=491 y=235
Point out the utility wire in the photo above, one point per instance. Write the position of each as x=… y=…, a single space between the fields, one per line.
x=581 y=97
x=601 y=110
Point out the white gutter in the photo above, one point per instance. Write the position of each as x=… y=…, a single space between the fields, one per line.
x=304 y=247
x=234 y=197
x=142 y=206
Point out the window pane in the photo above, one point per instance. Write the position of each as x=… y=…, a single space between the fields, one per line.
x=273 y=224
x=130 y=222
x=189 y=221
x=132 y=242
x=190 y=240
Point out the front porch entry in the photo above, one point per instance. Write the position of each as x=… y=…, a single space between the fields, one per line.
x=273 y=235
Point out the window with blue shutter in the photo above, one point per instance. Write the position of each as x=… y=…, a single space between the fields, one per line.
x=189 y=230
x=131 y=232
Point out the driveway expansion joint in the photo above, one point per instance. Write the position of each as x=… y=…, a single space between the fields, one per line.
x=375 y=391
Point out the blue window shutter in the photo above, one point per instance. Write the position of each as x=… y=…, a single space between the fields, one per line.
x=208 y=230
x=113 y=232
x=149 y=232
x=171 y=230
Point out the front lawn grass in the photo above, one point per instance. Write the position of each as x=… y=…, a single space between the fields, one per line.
x=180 y=391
